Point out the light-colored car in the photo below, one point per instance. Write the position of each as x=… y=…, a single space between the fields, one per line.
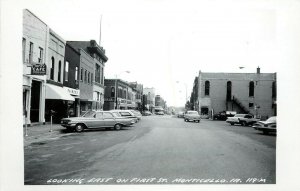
x=137 y=114
x=147 y=113
x=159 y=113
x=180 y=114
x=266 y=126
x=242 y=119
x=125 y=113
x=192 y=116
x=96 y=119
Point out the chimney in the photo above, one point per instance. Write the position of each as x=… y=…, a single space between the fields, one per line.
x=258 y=70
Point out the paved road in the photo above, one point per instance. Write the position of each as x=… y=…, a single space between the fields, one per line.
x=158 y=149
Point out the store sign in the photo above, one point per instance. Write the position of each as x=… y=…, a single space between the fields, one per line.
x=38 y=69
x=109 y=99
x=73 y=91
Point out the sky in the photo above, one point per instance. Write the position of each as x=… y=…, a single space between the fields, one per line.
x=164 y=44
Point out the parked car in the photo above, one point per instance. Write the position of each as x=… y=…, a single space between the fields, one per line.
x=125 y=113
x=242 y=119
x=96 y=119
x=137 y=114
x=192 y=116
x=180 y=114
x=266 y=126
x=223 y=115
x=159 y=113
x=146 y=113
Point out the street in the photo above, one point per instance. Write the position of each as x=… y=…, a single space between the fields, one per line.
x=156 y=150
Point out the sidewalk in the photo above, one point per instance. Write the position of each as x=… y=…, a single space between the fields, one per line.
x=39 y=133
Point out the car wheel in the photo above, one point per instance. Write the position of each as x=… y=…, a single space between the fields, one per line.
x=244 y=123
x=117 y=127
x=198 y=121
x=231 y=123
x=79 y=128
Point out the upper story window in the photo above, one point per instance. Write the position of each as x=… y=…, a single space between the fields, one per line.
x=102 y=77
x=274 y=90
x=89 y=77
x=206 y=92
x=76 y=74
x=112 y=94
x=81 y=74
x=31 y=52
x=23 y=48
x=97 y=73
x=52 y=68
x=85 y=76
x=59 y=71
x=41 y=55
x=67 y=71
x=92 y=78
x=251 y=89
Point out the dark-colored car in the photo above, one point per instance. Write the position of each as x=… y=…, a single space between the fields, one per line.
x=270 y=125
x=223 y=115
x=96 y=119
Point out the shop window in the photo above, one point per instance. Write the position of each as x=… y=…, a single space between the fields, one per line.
x=206 y=88
x=251 y=89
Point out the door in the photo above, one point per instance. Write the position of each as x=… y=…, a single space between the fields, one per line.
x=109 y=120
x=98 y=121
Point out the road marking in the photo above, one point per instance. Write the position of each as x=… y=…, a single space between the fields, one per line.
x=65 y=149
x=47 y=155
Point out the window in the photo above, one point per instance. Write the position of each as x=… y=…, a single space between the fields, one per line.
x=52 y=69
x=97 y=73
x=30 y=52
x=67 y=71
x=112 y=94
x=89 y=77
x=102 y=77
x=125 y=114
x=251 y=105
x=206 y=88
x=59 y=71
x=274 y=90
x=92 y=77
x=99 y=115
x=229 y=87
x=85 y=76
x=76 y=74
x=41 y=55
x=23 y=48
x=81 y=74
x=251 y=89
x=107 y=116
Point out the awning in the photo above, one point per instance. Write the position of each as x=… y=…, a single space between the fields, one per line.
x=56 y=92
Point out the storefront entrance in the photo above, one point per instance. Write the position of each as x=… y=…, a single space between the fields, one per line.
x=35 y=101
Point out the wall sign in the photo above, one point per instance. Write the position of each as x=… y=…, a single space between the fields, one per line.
x=38 y=69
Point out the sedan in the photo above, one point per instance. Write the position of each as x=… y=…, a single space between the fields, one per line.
x=192 y=116
x=266 y=126
x=96 y=119
x=137 y=114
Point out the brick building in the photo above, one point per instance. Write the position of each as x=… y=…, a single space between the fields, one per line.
x=253 y=93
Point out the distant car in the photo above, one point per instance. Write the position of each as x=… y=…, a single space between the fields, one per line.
x=223 y=115
x=266 y=126
x=137 y=114
x=146 y=113
x=192 y=116
x=180 y=114
x=159 y=113
x=96 y=119
x=242 y=119
x=125 y=113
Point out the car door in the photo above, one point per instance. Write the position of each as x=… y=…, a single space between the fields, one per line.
x=109 y=119
x=98 y=122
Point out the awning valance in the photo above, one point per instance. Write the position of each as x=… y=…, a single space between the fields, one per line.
x=56 y=92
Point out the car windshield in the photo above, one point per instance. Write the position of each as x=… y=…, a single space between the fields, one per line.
x=192 y=112
x=88 y=114
x=271 y=120
x=239 y=115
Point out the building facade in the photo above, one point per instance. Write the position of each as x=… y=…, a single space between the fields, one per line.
x=150 y=96
x=71 y=78
x=138 y=95
x=253 y=93
x=34 y=51
x=97 y=53
x=123 y=98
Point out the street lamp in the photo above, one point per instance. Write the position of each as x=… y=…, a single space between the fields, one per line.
x=116 y=91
